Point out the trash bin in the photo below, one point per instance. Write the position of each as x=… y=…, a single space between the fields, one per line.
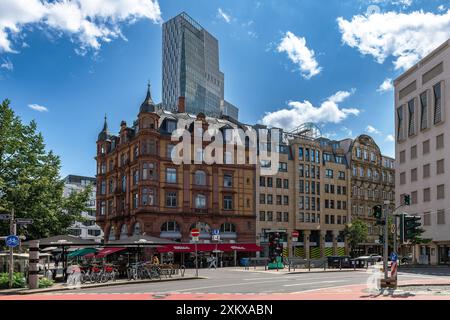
x=245 y=262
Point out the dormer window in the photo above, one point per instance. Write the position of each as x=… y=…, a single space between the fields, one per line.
x=171 y=126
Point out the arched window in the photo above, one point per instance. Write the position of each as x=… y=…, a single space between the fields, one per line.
x=170 y=226
x=112 y=233
x=137 y=229
x=200 y=178
x=124 y=232
x=227 y=227
x=200 y=201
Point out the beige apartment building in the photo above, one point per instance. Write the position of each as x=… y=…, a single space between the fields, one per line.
x=422 y=132
x=309 y=194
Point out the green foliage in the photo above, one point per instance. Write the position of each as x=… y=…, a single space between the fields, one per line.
x=45 y=283
x=18 y=280
x=30 y=181
x=355 y=233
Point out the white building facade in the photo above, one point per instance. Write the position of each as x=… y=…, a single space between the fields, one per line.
x=87 y=229
x=422 y=125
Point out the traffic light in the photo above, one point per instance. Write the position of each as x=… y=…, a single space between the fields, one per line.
x=275 y=245
x=377 y=212
x=406 y=199
x=381 y=239
x=409 y=227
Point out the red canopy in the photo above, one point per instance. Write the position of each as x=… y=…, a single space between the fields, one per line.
x=244 y=247
x=209 y=247
x=104 y=252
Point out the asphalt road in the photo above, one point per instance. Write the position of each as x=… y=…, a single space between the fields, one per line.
x=230 y=280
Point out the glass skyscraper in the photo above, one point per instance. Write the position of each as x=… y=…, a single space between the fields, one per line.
x=191 y=69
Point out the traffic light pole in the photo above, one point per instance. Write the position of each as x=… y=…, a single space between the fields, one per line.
x=386 y=239
x=12 y=231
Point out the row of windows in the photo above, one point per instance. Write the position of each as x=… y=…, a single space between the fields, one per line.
x=373 y=174
x=340 y=205
x=425 y=102
x=309 y=171
x=425 y=148
x=372 y=193
x=440 y=218
x=280 y=183
x=426 y=194
x=330 y=188
x=426 y=172
x=280 y=200
x=268 y=216
x=309 y=203
x=307 y=154
x=309 y=187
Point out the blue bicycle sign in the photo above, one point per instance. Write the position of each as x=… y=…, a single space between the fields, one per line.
x=12 y=241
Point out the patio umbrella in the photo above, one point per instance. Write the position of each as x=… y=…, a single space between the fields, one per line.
x=81 y=252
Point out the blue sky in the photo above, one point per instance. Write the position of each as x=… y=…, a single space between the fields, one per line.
x=66 y=64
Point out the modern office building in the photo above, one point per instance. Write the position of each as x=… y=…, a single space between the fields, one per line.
x=372 y=183
x=87 y=229
x=422 y=128
x=191 y=69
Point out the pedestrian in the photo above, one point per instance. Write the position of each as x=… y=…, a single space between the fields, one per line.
x=212 y=262
x=155 y=260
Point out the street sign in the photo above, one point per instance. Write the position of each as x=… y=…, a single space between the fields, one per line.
x=216 y=237
x=215 y=232
x=24 y=221
x=295 y=234
x=195 y=239
x=12 y=241
x=195 y=233
x=5 y=216
x=393 y=228
x=294 y=239
x=394 y=256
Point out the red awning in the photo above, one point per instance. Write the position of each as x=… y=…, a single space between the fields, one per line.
x=243 y=247
x=188 y=247
x=104 y=252
x=209 y=247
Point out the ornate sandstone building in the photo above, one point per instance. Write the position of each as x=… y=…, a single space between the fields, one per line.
x=141 y=190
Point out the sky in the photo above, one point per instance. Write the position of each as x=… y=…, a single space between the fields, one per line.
x=67 y=63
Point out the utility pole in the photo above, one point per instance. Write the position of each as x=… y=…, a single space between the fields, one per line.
x=386 y=238
x=12 y=231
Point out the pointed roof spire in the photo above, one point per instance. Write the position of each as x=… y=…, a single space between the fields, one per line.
x=148 y=105
x=104 y=134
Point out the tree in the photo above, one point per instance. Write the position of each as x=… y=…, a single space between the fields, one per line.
x=355 y=233
x=30 y=181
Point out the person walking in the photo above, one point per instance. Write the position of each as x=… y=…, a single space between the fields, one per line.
x=212 y=262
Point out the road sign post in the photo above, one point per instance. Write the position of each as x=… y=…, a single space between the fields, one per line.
x=195 y=233
x=13 y=231
x=386 y=238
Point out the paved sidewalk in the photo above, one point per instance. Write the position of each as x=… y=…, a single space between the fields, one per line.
x=64 y=287
x=293 y=271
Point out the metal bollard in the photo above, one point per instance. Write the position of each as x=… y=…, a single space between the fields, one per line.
x=33 y=273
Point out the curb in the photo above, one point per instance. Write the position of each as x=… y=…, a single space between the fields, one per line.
x=424 y=285
x=110 y=284
x=307 y=272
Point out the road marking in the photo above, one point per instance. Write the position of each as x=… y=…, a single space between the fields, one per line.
x=319 y=282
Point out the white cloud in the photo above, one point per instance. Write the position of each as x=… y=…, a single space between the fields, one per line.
x=371 y=129
x=390 y=138
x=300 y=54
x=302 y=112
x=88 y=22
x=441 y=8
x=406 y=37
x=37 y=107
x=223 y=15
x=386 y=86
x=7 y=64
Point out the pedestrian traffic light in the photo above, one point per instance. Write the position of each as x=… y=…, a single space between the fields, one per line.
x=409 y=227
x=377 y=212
x=381 y=239
x=406 y=199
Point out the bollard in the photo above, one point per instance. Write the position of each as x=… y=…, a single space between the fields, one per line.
x=33 y=272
